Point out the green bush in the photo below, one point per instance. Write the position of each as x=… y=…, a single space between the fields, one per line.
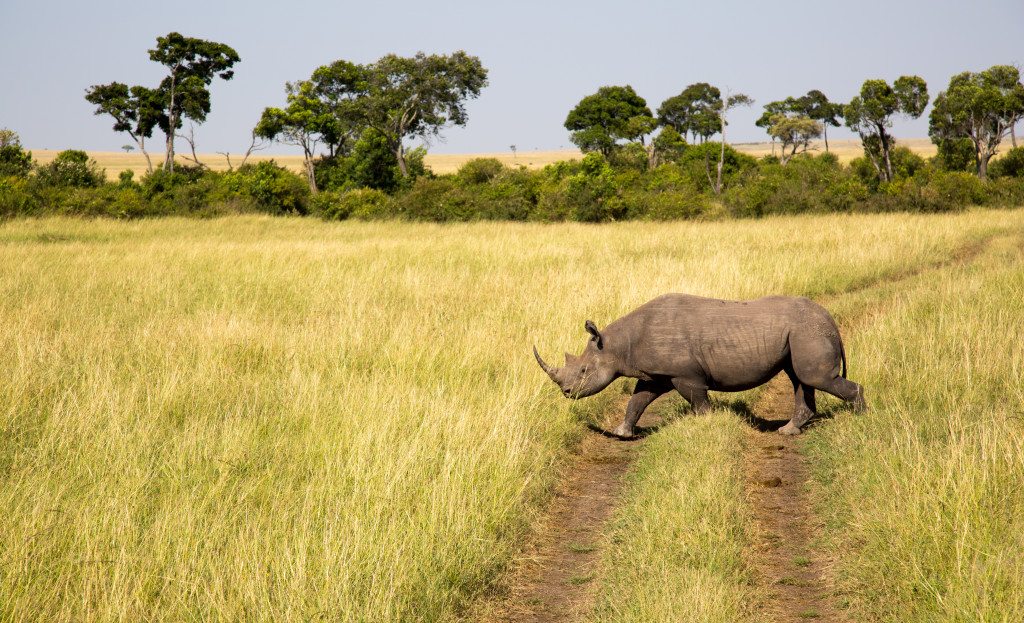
x=932 y=190
x=955 y=155
x=804 y=184
x=108 y=200
x=435 y=199
x=1010 y=164
x=17 y=198
x=480 y=171
x=271 y=187
x=71 y=168
x=14 y=161
x=585 y=190
x=360 y=203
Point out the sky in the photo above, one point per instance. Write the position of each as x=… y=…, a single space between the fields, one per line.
x=542 y=56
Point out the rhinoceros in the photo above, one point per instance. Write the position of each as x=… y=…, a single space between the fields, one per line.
x=694 y=344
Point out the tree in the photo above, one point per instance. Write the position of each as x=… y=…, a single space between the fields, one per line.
x=305 y=122
x=694 y=112
x=795 y=132
x=14 y=161
x=771 y=110
x=600 y=121
x=418 y=96
x=982 y=107
x=730 y=102
x=817 y=107
x=192 y=65
x=870 y=116
x=136 y=110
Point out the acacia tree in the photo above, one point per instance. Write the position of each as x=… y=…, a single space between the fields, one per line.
x=815 y=105
x=870 y=116
x=795 y=132
x=982 y=107
x=695 y=111
x=418 y=96
x=136 y=110
x=771 y=109
x=614 y=113
x=192 y=65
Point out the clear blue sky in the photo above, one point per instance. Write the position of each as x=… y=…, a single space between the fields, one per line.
x=543 y=56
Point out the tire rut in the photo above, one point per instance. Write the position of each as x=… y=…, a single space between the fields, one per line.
x=553 y=582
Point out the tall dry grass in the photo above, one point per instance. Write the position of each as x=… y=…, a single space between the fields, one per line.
x=923 y=495
x=281 y=419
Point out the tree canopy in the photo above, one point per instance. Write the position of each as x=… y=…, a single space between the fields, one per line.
x=693 y=112
x=192 y=64
x=614 y=113
x=136 y=110
x=407 y=97
x=982 y=107
x=870 y=116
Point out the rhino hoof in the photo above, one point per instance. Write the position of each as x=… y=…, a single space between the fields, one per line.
x=789 y=429
x=623 y=431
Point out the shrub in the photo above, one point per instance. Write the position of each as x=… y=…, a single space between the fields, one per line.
x=955 y=155
x=434 y=199
x=109 y=200
x=580 y=191
x=361 y=203
x=14 y=161
x=804 y=184
x=71 y=168
x=932 y=190
x=701 y=161
x=1010 y=164
x=271 y=187
x=480 y=171
x=16 y=198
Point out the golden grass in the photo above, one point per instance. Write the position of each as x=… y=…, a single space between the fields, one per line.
x=115 y=162
x=269 y=419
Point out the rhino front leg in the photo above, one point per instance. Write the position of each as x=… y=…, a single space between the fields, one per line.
x=643 y=395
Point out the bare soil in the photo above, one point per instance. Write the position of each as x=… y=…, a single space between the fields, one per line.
x=792 y=574
x=554 y=580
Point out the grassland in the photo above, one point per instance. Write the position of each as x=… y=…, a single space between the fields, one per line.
x=281 y=419
x=115 y=162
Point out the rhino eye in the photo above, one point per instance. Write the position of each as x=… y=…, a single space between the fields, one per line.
x=583 y=369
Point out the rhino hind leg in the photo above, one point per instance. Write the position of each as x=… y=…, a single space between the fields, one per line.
x=644 y=394
x=696 y=393
x=804 y=407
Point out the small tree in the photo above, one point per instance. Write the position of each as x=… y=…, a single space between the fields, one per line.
x=600 y=121
x=14 y=161
x=305 y=122
x=136 y=110
x=192 y=65
x=730 y=102
x=981 y=107
x=795 y=132
x=695 y=111
x=870 y=116
x=816 y=106
x=418 y=96
x=771 y=110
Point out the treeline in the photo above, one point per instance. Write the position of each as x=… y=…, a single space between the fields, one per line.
x=353 y=122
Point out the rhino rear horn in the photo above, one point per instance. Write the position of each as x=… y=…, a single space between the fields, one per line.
x=543 y=366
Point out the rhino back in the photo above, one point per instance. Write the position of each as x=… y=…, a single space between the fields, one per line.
x=733 y=343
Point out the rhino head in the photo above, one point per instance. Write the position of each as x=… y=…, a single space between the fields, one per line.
x=586 y=374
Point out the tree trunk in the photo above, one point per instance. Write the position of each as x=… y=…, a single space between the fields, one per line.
x=824 y=130
x=400 y=154
x=1013 y=134
x=310 y=172
x=172 y=119
x=721 y=162
x=884 y=140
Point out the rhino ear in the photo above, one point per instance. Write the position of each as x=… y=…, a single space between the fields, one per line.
x=569 y=357
x=592 y=330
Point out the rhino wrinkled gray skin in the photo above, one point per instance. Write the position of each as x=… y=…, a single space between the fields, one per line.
x=694 y=344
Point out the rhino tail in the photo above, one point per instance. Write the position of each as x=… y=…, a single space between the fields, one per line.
x=842 y=353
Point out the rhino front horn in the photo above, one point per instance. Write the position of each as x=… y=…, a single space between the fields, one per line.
x=543 y=366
